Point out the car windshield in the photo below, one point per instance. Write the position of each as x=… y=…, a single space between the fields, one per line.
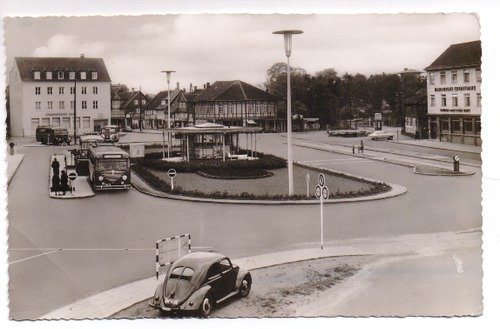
x=184 y=273
x=112 y=165
x=108 y=131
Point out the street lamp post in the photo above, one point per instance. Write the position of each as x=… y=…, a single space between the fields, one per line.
x=167 y=73
x=74 y=112
x=287 y=34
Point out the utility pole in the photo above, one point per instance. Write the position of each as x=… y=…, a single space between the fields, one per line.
x=74 y=111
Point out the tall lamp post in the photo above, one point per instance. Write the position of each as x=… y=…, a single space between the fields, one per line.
x=168 y=74
x=287 y=34
x=74 y=111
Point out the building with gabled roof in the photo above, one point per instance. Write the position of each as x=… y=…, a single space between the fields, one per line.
x=156 y=110
x=46 y=90
x=454 y=94
x=237 y=103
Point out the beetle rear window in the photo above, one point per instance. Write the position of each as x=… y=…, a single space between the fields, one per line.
x=184 y=273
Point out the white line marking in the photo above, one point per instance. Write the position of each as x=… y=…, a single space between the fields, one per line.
x=28 y=258
x=458 y=264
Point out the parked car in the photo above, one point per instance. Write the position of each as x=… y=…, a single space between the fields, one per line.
x=381 y=135
x=198 y=281
x=53 y=135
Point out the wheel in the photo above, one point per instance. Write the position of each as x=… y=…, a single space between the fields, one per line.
x=206 y=306
x=390 y=138
x=245 y=287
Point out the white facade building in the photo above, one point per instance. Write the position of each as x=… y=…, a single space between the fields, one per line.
x=454 y=94
x=43 y=90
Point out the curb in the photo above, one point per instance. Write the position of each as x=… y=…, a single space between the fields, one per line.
x=65 y=196
x=18 y=164
x=437 y=148
x=396 y=190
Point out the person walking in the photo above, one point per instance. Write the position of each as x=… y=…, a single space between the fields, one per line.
x=55 y=184
x=64 y=182
x=55 y=166
x=362 y=147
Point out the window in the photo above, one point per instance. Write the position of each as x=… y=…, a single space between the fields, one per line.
x=60 y=75
x=72 y=75
x=83 y=75
x=164 y=102
x=454 y=77
x=143 y=102
x=467 y=99
x=72 y=105
x=468 y=125
x=49 y=90
x=36 y=75
x=77 y=122
x=34 y=123
x=443 y=100
x=478 y=96
x=431 y=78
x=478 y=126
x=95 y=105
x=456 y=126
x=56 y=122
x=48 y=75
x=445 y=125
x=38 y=105
x=433 y=100
x=213 y=272
x=466 y=75
x=72 y=90
x=45 y=121
x=84 y=105
x=95 y=90
x=454 y=100
x=37 y=90
x=66 y=122
x=86 y=122
x=136 y=102
x=442 y=78
x=478 y=76
x=61 y=105
x=84 y=90
x=94 y=75
x=225 y=265
x=49 y=105
x=61 y=90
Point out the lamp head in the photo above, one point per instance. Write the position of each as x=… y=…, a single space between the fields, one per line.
x=287 y=34
x=168 y=73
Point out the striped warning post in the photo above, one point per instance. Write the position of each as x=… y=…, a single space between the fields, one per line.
x=159 y=244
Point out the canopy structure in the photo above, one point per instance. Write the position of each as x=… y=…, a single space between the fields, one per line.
x=216 y=141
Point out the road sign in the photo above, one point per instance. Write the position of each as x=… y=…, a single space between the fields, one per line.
x=321 y=179
x=72 y=176
x=171 y=173
x=325 y=192
x=322 y=193
x=317 y=194
x=378 y=116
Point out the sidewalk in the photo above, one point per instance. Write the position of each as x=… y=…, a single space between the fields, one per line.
x=440 y=145
x=109 y=302
x=81 y=187
x=13 y=163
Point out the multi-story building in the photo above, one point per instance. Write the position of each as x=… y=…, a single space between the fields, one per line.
x=120 y=94
x=45 y=91
x=156 y=111
x=454 y=94
x=236 y=103
x=133 y=108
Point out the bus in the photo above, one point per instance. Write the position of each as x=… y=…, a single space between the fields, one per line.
x=81 y=155
x=109 y=168
x=110 y=133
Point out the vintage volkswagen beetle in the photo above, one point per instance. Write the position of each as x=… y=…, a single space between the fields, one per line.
x=198 y=281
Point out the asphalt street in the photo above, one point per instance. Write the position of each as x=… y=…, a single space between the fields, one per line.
x=64 y=250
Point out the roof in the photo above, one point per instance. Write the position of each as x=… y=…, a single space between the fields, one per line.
x=235 y=90
x=132 y=96
x=458 y=55
x=108 y=149
x=28 y=65
x=156 y=102
x=216 y=129
x=197 y=260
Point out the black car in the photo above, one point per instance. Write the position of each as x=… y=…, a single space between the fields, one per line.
x=198 y=281
x=53 y=135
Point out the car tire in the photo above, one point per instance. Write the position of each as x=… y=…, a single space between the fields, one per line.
x=245 y=287
x=206 y=306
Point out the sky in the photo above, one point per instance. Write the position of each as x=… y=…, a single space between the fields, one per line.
x=207 y=48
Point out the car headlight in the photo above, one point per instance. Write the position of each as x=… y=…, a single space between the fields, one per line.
x=124 y=177
x=101 y=178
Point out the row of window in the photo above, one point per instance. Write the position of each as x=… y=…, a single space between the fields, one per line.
x=454 y=100
x=230 y=111
x=61 y=75
x=38 y=90
x=62 y=105
x=66 y=122
x=454 y=77
x=467 y=126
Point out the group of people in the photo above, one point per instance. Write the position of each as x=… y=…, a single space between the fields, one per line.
x=360 y=148
x=59 y=185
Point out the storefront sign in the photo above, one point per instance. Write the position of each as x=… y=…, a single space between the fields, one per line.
x=455 y=110
x=57 y=114
x=455 y=88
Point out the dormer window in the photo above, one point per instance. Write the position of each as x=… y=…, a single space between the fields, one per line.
x=37 y=75
x=72 y=75
x=60 y=75
x=83 y=75
x=94 y=75
x=48 y=75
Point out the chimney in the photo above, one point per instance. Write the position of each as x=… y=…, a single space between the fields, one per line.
x=208 y=85
x=178 y=87
x=204 y=86
x=82 y=55
x=191 y=87
x=195 y=88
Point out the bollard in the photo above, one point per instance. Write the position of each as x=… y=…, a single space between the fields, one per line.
x=11 y=145
x=353 y=149
x=456 y=163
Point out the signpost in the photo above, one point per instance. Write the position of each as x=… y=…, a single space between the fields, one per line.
x=72 y=176
x=171 y=173
x=322 y=193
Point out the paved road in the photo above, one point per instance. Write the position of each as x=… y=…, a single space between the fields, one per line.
x=93 y=232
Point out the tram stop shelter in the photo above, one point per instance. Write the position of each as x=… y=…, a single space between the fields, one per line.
x=216 y=141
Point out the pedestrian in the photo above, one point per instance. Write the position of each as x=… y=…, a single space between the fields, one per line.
x=362 y=147
x=64 y=182
x=55 y=166
x=55 y=184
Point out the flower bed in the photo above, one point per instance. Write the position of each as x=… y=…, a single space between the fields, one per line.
x=231 y=173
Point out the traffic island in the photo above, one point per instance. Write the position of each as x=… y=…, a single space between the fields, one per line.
x=434 y=171
x=78 y=186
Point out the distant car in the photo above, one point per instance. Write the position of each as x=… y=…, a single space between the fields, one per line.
x=52 y=135
x=197 y=281
x=110 y=133
x=381 y=135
